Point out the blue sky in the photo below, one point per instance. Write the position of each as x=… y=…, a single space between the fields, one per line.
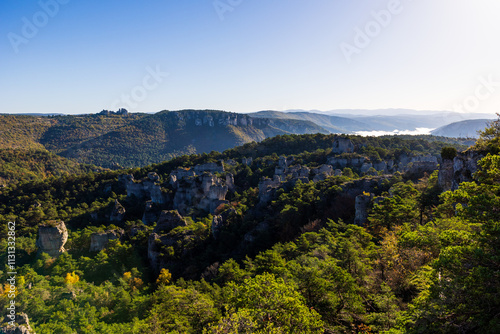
x=69 y=56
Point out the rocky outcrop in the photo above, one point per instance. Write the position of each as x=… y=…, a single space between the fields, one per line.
x=219 y=221
x=461 y=169
x=22 y=327
x=168 y=221
x=155 y=244
x=231 y=162
x=342 y=145
x=148 y=188
x=322 y=172
x=204 y=192
x=179 y=174
x=135 y=230
x=51 y=238
x=209 y=167
x=416 y=165
x=267 y=188
x=100 y=240
x=352 y=202
x=230 y=182
x=351 y=161
x=150 y=214
x=118 y=212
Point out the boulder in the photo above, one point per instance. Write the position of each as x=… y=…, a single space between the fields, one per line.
x=100 y=240
x=51 y=238
x=342 y=145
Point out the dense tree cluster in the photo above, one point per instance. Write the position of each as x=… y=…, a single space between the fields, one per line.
x=426 y=261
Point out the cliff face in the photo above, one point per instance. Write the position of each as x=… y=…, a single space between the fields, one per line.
x=460 y=169
x=51 y=238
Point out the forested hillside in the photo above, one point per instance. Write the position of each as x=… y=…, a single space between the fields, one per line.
x=295 y=234
x=21 y=165
x=115 y=140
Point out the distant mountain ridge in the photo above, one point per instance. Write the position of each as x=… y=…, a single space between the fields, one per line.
x=340 y=121
x=334 y=124
x=463 y=129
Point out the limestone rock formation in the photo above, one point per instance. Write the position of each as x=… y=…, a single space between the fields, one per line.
x=230 y=182
x=209 y=167
x=267 y=187
x=362 y=203
x=51 y=238
x=418 y=164
x=99 y=241
x=118 y=212
x=150 y=214
x=461 y=169
x=218 y=222
x=204 y=192
x=148 y=188
x=169 y=220
x=322 y=172
x=353 y=161
x=342 y=145
x=366 y=166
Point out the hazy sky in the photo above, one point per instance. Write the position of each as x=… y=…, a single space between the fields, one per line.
x=69 y=56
